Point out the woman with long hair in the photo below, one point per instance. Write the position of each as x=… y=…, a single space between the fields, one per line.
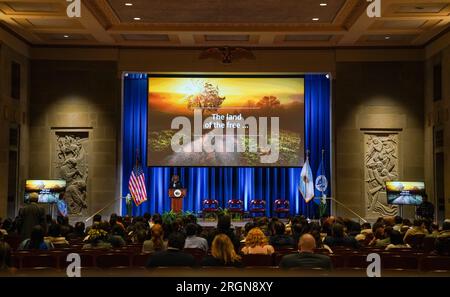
x=256 y=243
x=156 y=242
x=222 y=253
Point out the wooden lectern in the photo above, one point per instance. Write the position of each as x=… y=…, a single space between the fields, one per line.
x=176 y=197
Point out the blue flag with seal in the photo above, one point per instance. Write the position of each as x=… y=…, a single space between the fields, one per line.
x=321 y=187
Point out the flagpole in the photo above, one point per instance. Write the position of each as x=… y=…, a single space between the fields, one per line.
x=307 y=203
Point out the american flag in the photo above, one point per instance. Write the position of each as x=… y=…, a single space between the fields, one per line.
x=136 y=185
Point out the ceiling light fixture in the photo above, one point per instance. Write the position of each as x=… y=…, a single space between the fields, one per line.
x=128 y=4
x=323 y=4
x=315 y=19
x=387 y=37
x=66 y=36
x=137 y=19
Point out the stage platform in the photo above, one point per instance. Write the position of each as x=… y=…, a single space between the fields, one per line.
x=234 y=224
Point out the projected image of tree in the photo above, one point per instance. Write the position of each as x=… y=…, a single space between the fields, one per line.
x=225 y=121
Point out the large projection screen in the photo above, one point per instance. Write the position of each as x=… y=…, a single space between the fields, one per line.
x=225 y=120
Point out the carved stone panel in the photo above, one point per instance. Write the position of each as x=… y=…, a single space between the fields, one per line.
x=380 y=165
x=70 y=162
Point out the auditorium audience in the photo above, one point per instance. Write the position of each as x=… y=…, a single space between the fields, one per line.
x=396 y=241
x=339 y=239
x=256 y=243
x=54 y=236
x=174 y=255
x=78 y=232
x=398 y=223
x=442 y=243
x=418 y=228
x=381 y=236
x=156 y=243
x=279 y=239
x=192 y=240
x=97 y=238
x=36 y=240
x=224 y=227
x=306 y=258
x=222 y=253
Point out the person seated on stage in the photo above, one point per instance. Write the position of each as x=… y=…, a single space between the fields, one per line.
x=306 y=258
x=175 y=182
x=397 y=241
x=256 y=243
x=36 y=240
x=97 y=238
x=192 y=240
x=224 y=227
x=174 y=255
x=78 y=232
x=156 y=242
x=222 y=253
x=54 y=236
x=418 y=228
x=279 y=239
x=339 y=238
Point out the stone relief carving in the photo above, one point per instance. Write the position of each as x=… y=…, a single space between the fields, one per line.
x=72 y=166
x=380 y=165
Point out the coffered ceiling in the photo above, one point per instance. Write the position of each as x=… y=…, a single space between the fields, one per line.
x=206 y=23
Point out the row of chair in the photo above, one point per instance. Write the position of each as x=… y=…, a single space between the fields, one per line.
x=128 y=258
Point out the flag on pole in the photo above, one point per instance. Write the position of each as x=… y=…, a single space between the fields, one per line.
x=321 y=187
x=136 y=185
x=306 y=186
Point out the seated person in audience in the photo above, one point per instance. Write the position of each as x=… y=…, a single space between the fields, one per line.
x=54 y=236
x=306 y=258
x=97 y=238
x=5 y=256
x=224 y=227
x=248 y=226
x=398 y=223
x=339 y=238
x=418 y=228
x=297 y=232
x=140 y=236
x=192 y=240
x=319 y=242
x=97 y=219
x=381 y=236
x=9 y=228
x=78 y=232
x=397 y=241
x=442 y=243
x=352 y=228
x=279 y=239
x=174 y=255
x=156 y=243
x=222 y=253
x=36 y=240
x=156 y=219
x=434 y=230
x=116 y=236
x=256 y=243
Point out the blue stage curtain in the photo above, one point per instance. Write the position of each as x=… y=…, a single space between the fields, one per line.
x=223 y=183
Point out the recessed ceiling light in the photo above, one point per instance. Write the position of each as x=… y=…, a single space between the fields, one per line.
x=66 y=36
x=128 y=4
x=315 y=19
x=387 y=37
x=137 y=19
x=323 y=4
